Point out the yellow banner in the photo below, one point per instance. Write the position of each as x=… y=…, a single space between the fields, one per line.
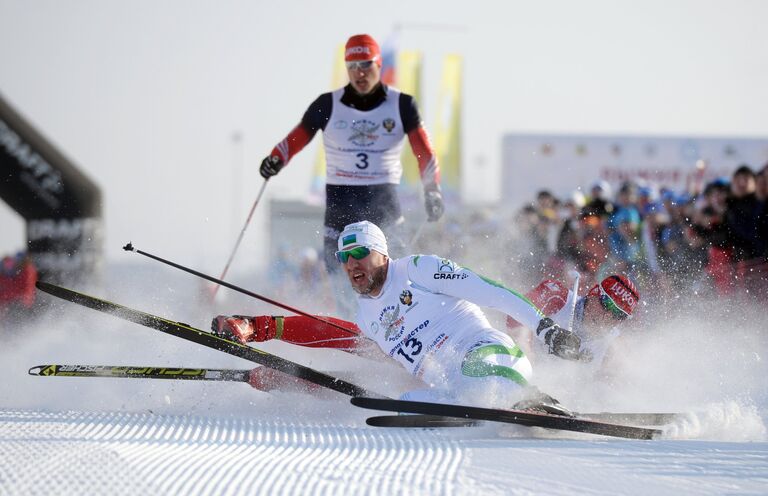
x=448 y=129
x=409 y=65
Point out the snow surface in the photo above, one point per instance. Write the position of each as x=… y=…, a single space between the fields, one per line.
x=75 y=452
x=128 y=453
x=127 y=436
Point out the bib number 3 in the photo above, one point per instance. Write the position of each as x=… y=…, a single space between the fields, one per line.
x=362 y=162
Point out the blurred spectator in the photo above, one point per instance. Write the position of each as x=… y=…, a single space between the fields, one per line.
x=709 y=225
x=761 y=195
x=599 y=203
x=747 y=222
x=282 y=271
x=521 y=247
x=546 y=208
x=594 y=251
x=311 y=285
x=624 y=228
x=544 y=229
x=569 y=240
x=741 y=214
x=653 y=220
x=17 y=287
x=682 y=252
x=309 y=270
x=648 y=200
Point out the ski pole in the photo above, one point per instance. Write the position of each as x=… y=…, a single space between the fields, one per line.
x=239 y=238
x=129 y=247
x=416 y=235
x=151 y=372
x=207 y=339
x=140 y=372
x=576 y=276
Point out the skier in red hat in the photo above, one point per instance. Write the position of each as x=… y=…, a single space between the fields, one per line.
x=364 y=125
x=595 y=317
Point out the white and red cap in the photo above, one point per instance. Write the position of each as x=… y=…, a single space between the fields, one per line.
x=620 y=290
x=362 y=47
x=365 y=234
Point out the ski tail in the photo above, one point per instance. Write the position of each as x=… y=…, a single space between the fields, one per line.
x=632 y=418
x=419 y=421
x=139 y=372
x=185 y=331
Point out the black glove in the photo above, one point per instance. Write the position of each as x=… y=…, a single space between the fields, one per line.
x=270 y=166
x=433 y=201
x=562 y=342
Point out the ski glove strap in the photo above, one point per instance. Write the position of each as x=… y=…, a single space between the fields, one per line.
x=267 y=327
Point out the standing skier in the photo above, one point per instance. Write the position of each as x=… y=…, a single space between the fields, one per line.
x=364 y=125
x=422 y=311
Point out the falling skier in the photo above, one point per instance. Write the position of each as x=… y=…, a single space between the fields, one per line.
x=422 y=311
x=597 y=317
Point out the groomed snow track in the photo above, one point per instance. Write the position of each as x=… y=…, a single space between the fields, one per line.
x=76 y=453
x=129 y=453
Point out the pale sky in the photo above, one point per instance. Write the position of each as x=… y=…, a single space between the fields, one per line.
x=145 y=95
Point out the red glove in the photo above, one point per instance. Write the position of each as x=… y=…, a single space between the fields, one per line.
x=244 y=329
x=300 y=330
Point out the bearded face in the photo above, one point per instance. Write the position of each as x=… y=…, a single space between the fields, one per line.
x=367 y=276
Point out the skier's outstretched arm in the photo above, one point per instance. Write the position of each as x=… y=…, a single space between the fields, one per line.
x=443 y=276
x=299 y=330
x=315 y=119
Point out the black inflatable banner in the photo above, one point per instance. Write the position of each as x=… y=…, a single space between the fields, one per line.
x=62 y=207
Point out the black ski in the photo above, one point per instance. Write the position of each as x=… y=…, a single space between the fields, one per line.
x=431 y=421
x=185 y=331
x=529 y=419
x=419 y=421
x=140 y=372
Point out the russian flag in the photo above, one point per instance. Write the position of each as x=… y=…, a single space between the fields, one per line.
x=389 y=61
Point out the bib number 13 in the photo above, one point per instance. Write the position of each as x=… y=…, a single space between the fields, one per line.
x=413 y=346
x=362 y=161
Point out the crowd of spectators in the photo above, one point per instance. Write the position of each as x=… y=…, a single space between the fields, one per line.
x=711 y=242
x=708 y=242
